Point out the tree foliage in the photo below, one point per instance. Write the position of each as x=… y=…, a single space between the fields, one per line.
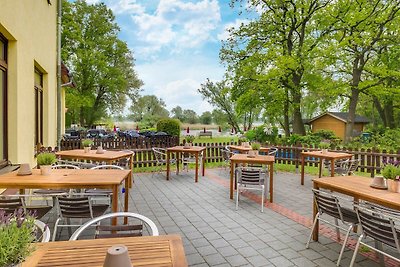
x=149 y=108
x=102 y=64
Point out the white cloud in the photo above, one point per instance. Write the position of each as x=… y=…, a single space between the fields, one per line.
x=126 y=6
x=224 y=35
x=177 y=24
x=90 y=2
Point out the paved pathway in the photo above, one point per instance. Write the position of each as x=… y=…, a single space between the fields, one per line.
x=215 y=234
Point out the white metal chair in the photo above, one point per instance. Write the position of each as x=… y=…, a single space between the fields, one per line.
x=107 y=192
x=11 y=203
x=54 y=192
x=160 y=155
x=380 y=225
x=251 y=178
x=329 y=204
x=188 y=159
x=118 y=230
x=43 y=232
x=226 y=155
x=76 y=207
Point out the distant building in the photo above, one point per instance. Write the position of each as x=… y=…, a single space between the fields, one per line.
x=336 y=122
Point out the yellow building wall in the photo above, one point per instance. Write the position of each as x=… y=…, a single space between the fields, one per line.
x=31 y=30
x=329 y=123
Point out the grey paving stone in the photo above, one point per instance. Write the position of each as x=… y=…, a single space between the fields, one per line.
x=236 y=260
x=303 y=262
x=206 y=250
x=227 y=251
x=194 y=259
x=281 y=261
x=247 y=251
x=214 y=259
x=259 y=261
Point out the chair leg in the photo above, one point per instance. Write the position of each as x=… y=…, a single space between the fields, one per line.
x=337 y=229
x=344 y=245
x=353 y=259
x=69 y=227
x=55 y=229
x=262 y=199
x=312 y=230
x=237 y=197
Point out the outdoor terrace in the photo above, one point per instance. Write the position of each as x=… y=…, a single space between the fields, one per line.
x=215 y=234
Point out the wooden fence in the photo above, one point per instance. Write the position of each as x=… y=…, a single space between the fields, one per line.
x=370 y=159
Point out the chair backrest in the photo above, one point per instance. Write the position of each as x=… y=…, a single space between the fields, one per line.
x=352 y=166
x=43 y=234
x=327 y=203
x=272 y=151
x=113 y=167
x=64 y=166
x=226 y=154
x=75 y=207
x=141 y=218
x=160 y=154
x=250 y=175
x=379 y=226
x=10 y=204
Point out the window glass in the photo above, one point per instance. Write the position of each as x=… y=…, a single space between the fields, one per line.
x=38 y=136
x=2 y=50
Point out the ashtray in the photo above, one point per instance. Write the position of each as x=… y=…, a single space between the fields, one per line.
x=377 y=186
x=24 y=169
x=250 y=156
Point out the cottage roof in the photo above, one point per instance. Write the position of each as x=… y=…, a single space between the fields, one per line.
x=342 y=116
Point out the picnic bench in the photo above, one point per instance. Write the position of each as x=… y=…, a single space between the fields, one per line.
x=206 y=133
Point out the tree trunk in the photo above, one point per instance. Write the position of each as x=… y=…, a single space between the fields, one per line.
x=286 y=122
x=388 y=107
x=352 y=113
x=298 y=125
x=380 y=110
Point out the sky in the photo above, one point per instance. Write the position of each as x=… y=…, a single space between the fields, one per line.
x=176 y=44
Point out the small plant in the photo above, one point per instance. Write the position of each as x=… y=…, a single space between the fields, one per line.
x=243 y=139
x=87 y=142
x=255 y=146
x=391 y=172
x=17 y=232
x=44 y=159
x=189 y=138
x=324 y=145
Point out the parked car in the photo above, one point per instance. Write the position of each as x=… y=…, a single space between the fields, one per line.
x=131 y=134
x=147 y=133
x=72 y=134
x=96 y=133
x=161 y=134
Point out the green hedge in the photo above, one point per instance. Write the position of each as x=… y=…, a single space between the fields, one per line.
x=169 y=126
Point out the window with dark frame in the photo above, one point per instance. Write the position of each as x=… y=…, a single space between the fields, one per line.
x=38 y=107
x=3 y=98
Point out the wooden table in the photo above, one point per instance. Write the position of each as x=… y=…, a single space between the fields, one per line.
x=246 y=149
x=358 y=188
x=332 y=156
x=259 y=159
x=195 y=150
x=71 y=178
x=146 y=251
x=109 y=156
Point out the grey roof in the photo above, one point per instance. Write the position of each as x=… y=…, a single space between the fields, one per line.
x=343 y=117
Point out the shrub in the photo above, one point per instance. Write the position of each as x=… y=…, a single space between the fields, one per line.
x=189 y=138
x=46 y=159
x=391 y=172
x=255 y=146
x=169 y=126
x=87 y=142
x=17 y=232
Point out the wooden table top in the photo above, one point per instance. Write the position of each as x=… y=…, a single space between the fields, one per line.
x=327 y=155
x=65 y=178
x=182 y=149
x=107 y=155
x=247 y=148
x=359 y=187
x=260 y=159
x=146 y=251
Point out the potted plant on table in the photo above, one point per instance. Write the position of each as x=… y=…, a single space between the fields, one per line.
x=17 y=232
x=324 y=145
x=44 y=161
x=255 y=148
x=188 y=141
x=391 y=173
x=87 y=143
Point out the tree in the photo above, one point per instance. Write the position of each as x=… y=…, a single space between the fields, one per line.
x=190 y=116
x=273 y=56
x=148 y=107
x=366 y=28
x=218 y=95
x=206 y=117
x=219 y=117
x=102 y=64
x=177 y=113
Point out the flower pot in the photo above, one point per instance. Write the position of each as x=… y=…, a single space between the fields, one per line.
x=86 y=149
x=246 y=144
x=45 y=169
x=117 y=255
x=252 y=153
x=393 y=185
x=187 y=145
x=325 y=151
x=100 y=150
